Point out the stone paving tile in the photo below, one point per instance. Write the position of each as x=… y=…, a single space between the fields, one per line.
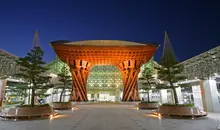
x=112 y=117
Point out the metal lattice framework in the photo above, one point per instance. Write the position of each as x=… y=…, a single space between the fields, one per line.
x=204 y=65
x=104 y=77
x=8 y=65
x=55 y=66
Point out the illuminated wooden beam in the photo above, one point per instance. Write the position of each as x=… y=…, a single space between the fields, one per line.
x=82 y=55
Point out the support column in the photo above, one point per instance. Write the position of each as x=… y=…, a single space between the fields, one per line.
x=117 y=94
x=163 y=96
x=129 y=71
x=197 y=97
x=210 y=95
x=2 y=92
x=179 y=95
x=80 y=71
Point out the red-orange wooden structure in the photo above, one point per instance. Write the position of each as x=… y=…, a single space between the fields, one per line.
x=82 y=55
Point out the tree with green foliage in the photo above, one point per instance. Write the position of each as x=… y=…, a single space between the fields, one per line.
x=169 y=71
x=33 y=71
x=65 y=81
x=149 y=80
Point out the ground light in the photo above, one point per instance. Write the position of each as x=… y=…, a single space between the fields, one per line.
x=51 y=116
x=157 y=114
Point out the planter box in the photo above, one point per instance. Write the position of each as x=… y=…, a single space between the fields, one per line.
x=62 y=105
x=148 y=105
x=27 y=112
x=180 y=111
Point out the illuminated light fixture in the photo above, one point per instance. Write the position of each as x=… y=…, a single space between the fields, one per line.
x=137 y=108
x=215 y=74
x=159 y=115
x=72 y=108
x=51 y=116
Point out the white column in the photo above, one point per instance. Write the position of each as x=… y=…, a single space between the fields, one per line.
x=2 y=92
x=26 y=98
x=197 y=97
x=210 y=95
x=121 y=94
x=179 y=95
x=150 y=95
x=49 y=98
x=163 y=96
x=117 y=94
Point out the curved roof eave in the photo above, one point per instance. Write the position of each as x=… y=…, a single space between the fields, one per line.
x=103 y=43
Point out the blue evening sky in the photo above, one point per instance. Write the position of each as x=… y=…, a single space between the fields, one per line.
x=192 y=25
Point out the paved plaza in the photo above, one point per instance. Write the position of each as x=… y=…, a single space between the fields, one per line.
x=112 y=117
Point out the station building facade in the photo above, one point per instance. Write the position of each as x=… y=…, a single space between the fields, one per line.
x=105 y=82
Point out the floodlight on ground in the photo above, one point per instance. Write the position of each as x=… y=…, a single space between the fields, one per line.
x=51 y=116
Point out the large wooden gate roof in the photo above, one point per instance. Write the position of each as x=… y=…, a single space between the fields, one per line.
x=82 y=55
x=104 y=52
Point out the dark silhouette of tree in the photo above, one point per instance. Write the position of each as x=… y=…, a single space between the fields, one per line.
x=149 y=80
x=66 y=80
x=33 y=71
x=169 y=71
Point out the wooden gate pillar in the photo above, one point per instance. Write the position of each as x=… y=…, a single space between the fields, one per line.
x=129 y=70
x=80 y=71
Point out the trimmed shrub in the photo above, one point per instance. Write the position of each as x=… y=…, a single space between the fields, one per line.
x=149 y=102
x=43 y=105
x=62 y=102
x=179 y=105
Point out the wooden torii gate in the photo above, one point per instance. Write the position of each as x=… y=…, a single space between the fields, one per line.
x=83 y=55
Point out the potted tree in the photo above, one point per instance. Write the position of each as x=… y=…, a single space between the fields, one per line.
x=170 y=72
x=65 y=80
x=33 y=72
